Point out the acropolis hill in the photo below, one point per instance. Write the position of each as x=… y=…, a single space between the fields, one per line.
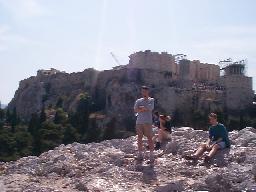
x=181 y=87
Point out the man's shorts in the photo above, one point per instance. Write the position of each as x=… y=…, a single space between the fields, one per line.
x=144 y=129
x=222 y=144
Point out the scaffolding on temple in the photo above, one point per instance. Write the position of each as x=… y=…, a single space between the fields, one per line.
x=229 y=67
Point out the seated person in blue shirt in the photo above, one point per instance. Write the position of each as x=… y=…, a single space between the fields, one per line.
x=218 y=139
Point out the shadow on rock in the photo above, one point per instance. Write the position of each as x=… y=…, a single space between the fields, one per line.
x=149 y=174
x=170 y=187
x=220 y=159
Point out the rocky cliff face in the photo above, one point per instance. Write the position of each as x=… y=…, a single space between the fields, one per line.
x=40 y=90
x=108 y=166
x=114 y=93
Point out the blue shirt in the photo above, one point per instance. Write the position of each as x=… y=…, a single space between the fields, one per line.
x=219 y=131
x=144 y=117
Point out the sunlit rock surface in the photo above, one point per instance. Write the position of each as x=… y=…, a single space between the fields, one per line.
x=109 y=166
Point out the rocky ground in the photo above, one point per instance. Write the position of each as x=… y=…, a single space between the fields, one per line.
x=107 y=166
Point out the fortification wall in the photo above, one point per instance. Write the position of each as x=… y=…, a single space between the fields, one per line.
x=196 y=71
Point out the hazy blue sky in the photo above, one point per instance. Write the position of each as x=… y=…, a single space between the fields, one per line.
x=74 y=35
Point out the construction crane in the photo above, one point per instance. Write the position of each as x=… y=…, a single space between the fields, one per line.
x=114 y=57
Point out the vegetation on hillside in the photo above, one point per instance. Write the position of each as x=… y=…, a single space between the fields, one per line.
x=43 y=132
x=54 y=126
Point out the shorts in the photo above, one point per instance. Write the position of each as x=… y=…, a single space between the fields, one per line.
x=144 y=129
x=222 y=144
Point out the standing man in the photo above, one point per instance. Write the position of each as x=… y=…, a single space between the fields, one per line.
x=218 y=140
x=143 y=108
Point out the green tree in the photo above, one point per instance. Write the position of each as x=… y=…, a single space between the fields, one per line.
x=93 y=134
x=43 y=115
x=2 y=114
x=8 y=116
x=34 y=124
x=61 y=117
x=34 y=128
x=24 y=142
x=59 y=103
x=8 y=150
x=80 y=119
x=70 y=134
x=51 y=135
x=14 y=119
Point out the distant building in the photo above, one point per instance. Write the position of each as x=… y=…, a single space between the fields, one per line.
x=154 y=60
x=238 y=87
x=51 y=71
x=197 y=71
x=182 y=70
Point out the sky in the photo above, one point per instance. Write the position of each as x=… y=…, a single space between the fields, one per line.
x=74 y=35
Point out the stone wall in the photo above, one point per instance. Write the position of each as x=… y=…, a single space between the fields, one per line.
x=196 y=71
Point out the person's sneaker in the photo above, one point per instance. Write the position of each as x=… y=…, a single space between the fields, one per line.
x=158 y=146
x=190 y=157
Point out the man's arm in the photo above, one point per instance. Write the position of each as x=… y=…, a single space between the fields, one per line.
x=208 y=143
x=150 y=106
x=215 y=142
x=137 y=108
x=219 y=140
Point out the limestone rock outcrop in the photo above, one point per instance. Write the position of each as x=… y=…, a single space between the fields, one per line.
x=109 y=166
x=44 y=90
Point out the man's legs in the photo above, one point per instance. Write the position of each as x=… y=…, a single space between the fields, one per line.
x=214 y=150
x=200 y=151
x=139 y=130
x=149 y=135
x=150 y=143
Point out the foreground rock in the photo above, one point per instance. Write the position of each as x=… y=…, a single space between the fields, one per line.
x=106 y=166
